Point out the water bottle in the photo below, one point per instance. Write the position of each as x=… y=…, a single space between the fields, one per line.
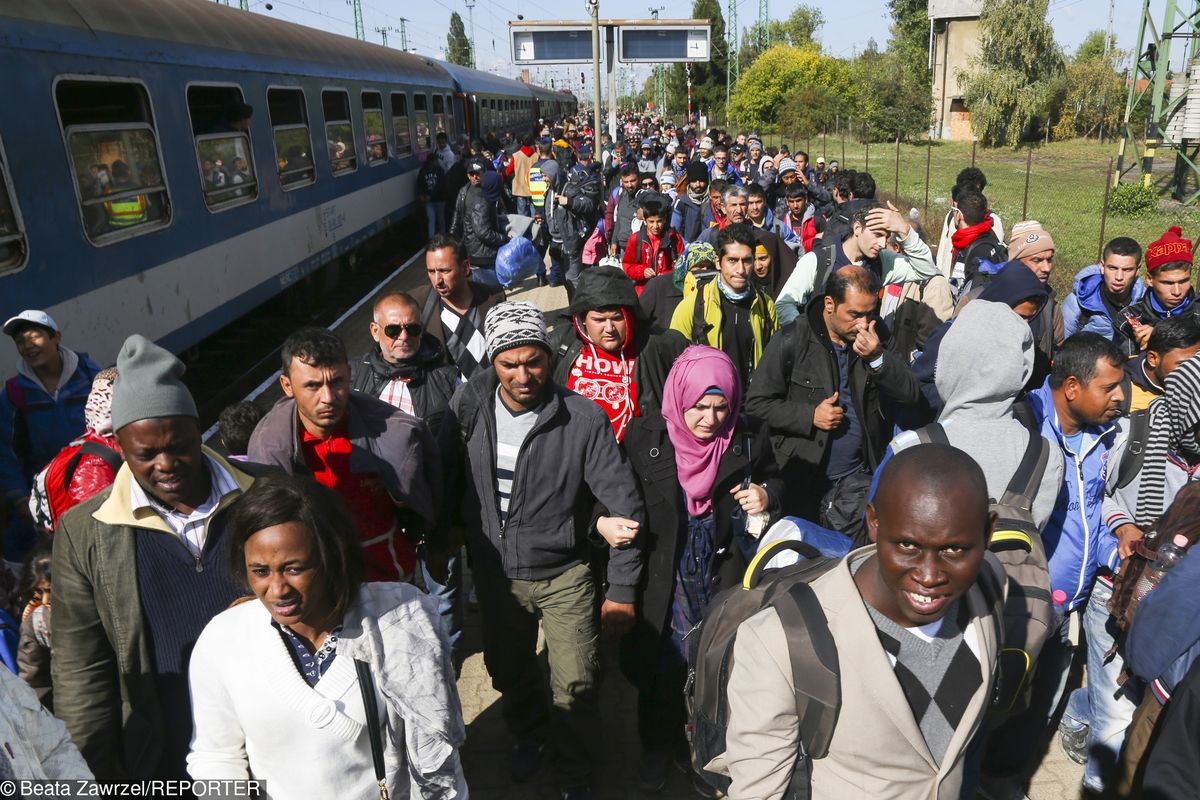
x=1168 y=555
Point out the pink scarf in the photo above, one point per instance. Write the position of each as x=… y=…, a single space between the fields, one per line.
x=697 y=460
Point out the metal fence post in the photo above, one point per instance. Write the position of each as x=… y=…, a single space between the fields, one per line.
x=1028 y=169
x=974 y=144
x=843 y=147
x=928 y=164
x=1104 y=213
x=867 y=146
x=897 y=192
x=823 y=129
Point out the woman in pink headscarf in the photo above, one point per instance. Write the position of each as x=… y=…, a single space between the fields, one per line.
x=706 y=470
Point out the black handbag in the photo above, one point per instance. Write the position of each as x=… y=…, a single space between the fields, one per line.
x=374 y=724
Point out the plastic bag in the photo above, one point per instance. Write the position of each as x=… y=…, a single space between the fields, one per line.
x=516 y=260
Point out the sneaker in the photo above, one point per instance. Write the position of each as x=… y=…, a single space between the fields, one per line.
x=524 y=760
x=1001 y=787
x=1074 y=742
x=652 y=772
x=583 y=792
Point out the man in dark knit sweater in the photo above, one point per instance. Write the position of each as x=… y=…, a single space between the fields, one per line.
x=139 y=570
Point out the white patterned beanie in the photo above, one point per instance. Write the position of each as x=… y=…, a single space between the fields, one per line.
x=514 y=324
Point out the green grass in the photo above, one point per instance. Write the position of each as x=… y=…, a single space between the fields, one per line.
x=1066 y=190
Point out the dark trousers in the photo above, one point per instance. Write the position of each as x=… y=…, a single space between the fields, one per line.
x=570 y=723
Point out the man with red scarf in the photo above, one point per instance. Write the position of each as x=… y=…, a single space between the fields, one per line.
x=974 y=239
x=596 y=355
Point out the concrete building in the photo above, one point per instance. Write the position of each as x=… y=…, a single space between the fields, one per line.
x=953 y=40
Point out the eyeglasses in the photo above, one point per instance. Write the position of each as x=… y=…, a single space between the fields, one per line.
x=393 y=331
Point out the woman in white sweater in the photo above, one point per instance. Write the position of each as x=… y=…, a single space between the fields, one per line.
x=276 y=690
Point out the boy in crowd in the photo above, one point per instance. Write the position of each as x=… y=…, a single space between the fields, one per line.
x=653 y=249
x=1102 y=290
x=1169 y=273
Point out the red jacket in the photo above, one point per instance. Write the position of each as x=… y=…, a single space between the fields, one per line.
x=643 y=252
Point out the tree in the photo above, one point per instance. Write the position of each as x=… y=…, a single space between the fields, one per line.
x=798 y=30
x=778 y=75
x=910 y=36
x=1089 y=96
x=1092 y=47
x=458 y=46
x=1010 y=85
x=891 y=101
x=708 y=78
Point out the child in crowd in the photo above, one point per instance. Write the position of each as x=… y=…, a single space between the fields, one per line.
x=652 y=250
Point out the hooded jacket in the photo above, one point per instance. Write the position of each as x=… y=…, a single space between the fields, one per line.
x=1077 y=541
x=34 y=426
x=1085 y=310
x=573 y=223
x=763 y=320
x=431 y=381
x=481 y=223
x=643 y=252
x=979 y=398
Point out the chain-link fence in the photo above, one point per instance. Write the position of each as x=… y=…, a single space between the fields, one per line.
x=1063 y=185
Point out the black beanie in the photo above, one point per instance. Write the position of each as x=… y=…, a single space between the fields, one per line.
x=696 y=171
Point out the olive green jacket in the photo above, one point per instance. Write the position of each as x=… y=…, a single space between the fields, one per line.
x=102 y=671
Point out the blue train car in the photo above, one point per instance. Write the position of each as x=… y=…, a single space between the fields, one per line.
x=137 y=196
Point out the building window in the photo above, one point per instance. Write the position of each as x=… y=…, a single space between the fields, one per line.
x=376 y=134
x=113 y=147
x=400 y=124
x=289 y=130
x=339 y=133
x=221 y=128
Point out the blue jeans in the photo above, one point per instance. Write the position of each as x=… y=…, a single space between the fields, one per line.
x=435 y=218
x=448 y=595
x=1102 y=705
x=1012 y=747
x=524 y=205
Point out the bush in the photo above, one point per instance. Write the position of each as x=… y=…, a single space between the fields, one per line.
x=1133 y=200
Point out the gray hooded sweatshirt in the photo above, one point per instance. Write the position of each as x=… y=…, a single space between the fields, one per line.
x=985 y=360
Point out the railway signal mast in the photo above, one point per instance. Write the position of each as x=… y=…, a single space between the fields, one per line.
x=471 y=22
x=360 y=31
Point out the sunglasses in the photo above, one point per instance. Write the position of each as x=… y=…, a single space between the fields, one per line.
x=393 y=331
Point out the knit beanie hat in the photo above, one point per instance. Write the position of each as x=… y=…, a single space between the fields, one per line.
x=1169 y=247
x=696 y=171
x=97 y=411
x=706 y=143
x=1028 y=238
x=667 y=177
x=491 y=186
x=148 y=385
x=514 y=324
x=786 y=165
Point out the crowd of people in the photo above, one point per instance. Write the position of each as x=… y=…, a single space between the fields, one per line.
x=755 y=347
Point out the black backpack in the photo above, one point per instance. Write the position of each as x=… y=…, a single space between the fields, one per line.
x=1028 y=613
x=813 y=654
x=1135 y=448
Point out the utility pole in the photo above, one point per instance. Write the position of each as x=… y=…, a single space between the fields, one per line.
x=360 y=32
x=471 y=21
x=383 y=32
x=404 y=34
x=764 y=25
x=687 y=68
x=733 y=70
x=660 y=84
x=594 y=10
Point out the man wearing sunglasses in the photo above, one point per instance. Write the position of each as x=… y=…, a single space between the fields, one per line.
x=407 y=368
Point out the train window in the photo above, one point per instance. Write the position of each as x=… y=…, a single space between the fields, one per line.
x=400 y=123
x=376 y=134
x=221 y=127
x=110 y=136
x=450 y=130
x=13 y=246
x=289 y=129
x=421 y=111
x=339 y=133
x=439 y=113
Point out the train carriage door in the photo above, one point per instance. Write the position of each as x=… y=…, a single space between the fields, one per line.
x=224 y=155
x=14 y=247
x=339 y=131
x=462 y=117
x=439 y=115
x=113 y=147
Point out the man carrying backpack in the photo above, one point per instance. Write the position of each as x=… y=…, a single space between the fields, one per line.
x=1077 y=409
x=914 y=623
x=974 y=240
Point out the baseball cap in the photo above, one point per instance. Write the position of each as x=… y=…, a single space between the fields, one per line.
x=30 y=316
x=585 y=150
x=476 y=165
x=820 y=159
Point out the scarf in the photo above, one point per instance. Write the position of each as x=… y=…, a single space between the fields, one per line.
x=606 y=379
x=697 y=461
x=1173 y=420
x=731 y=295
x=963 y=237
x=698 y=197
x=694 y=254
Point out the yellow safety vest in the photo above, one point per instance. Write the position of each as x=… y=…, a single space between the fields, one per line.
x=122 y=213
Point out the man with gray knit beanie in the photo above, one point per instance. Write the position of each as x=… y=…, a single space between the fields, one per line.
x=139 y=570
x=535 y=460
